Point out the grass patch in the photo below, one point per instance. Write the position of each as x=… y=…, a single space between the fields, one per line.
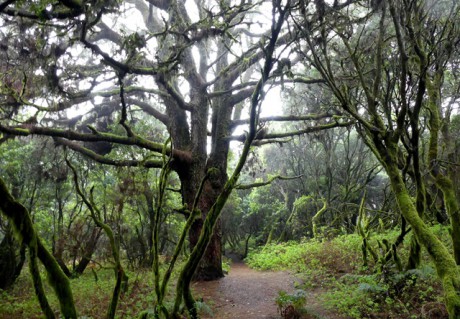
x=92 y=297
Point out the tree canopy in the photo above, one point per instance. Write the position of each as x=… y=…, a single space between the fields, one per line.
x=136 y=108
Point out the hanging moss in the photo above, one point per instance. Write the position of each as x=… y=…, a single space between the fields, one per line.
x=414 y=258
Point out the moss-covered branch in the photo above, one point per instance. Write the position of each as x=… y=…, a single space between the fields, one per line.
x=105 y=160
x=316 y=217
x=191 y=218
x=362 y=228
x=37 y=280
x=307 y=130
x=120 y=275
x=135 y=140
x=443 y=182
x=288 y=118
x=445 y=264
x=267 y=182
x=20 y=218
x=162 y=186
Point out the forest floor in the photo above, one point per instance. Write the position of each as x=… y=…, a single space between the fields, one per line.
x=250 y=294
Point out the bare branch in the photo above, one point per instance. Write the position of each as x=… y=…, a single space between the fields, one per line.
x=149 y=109
x=6 y=4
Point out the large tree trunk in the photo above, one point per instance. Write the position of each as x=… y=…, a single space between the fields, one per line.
x=210 y=267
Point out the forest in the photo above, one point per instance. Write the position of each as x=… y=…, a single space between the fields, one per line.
x=152 y=149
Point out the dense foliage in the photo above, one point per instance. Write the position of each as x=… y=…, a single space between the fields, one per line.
x=342 y=284
x=142 y=135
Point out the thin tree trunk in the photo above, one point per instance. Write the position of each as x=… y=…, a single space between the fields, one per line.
x=20 y=218
x=442 y=181
x=315 y=219
x=88 y=253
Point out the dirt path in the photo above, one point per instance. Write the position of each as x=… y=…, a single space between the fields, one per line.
x=244 y=293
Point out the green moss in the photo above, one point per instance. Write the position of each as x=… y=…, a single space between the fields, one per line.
x=316 y=218
x=444 y=262
x=37 y=281
x=20 y=218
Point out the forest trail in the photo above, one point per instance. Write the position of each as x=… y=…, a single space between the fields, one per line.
x=250 y=294
x=244 y=293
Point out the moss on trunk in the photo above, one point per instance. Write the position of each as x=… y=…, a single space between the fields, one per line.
x=37 y=281
x=12 y=257
x=445 y=264
x=316 y=218
x=443 y=182
x=20 y=218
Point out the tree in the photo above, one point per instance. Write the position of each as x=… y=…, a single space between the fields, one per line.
x=25 y=180
x=386 y=65
x=189 y=68
x=123 y=84
x=334 y=165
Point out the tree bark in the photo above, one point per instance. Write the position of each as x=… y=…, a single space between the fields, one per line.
x=444 y=262
x=12 y=257
x=90 y=248
x=20 y=218
x=210 y=267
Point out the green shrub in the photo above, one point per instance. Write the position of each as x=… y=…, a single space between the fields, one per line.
x=291 y=305
x=357 y=292
x=395 y=295
x=316 y=262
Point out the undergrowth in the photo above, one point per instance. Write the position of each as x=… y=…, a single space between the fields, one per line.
x=291 y=305
x=335 y=267
x=92 y=296
x=316 y=262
